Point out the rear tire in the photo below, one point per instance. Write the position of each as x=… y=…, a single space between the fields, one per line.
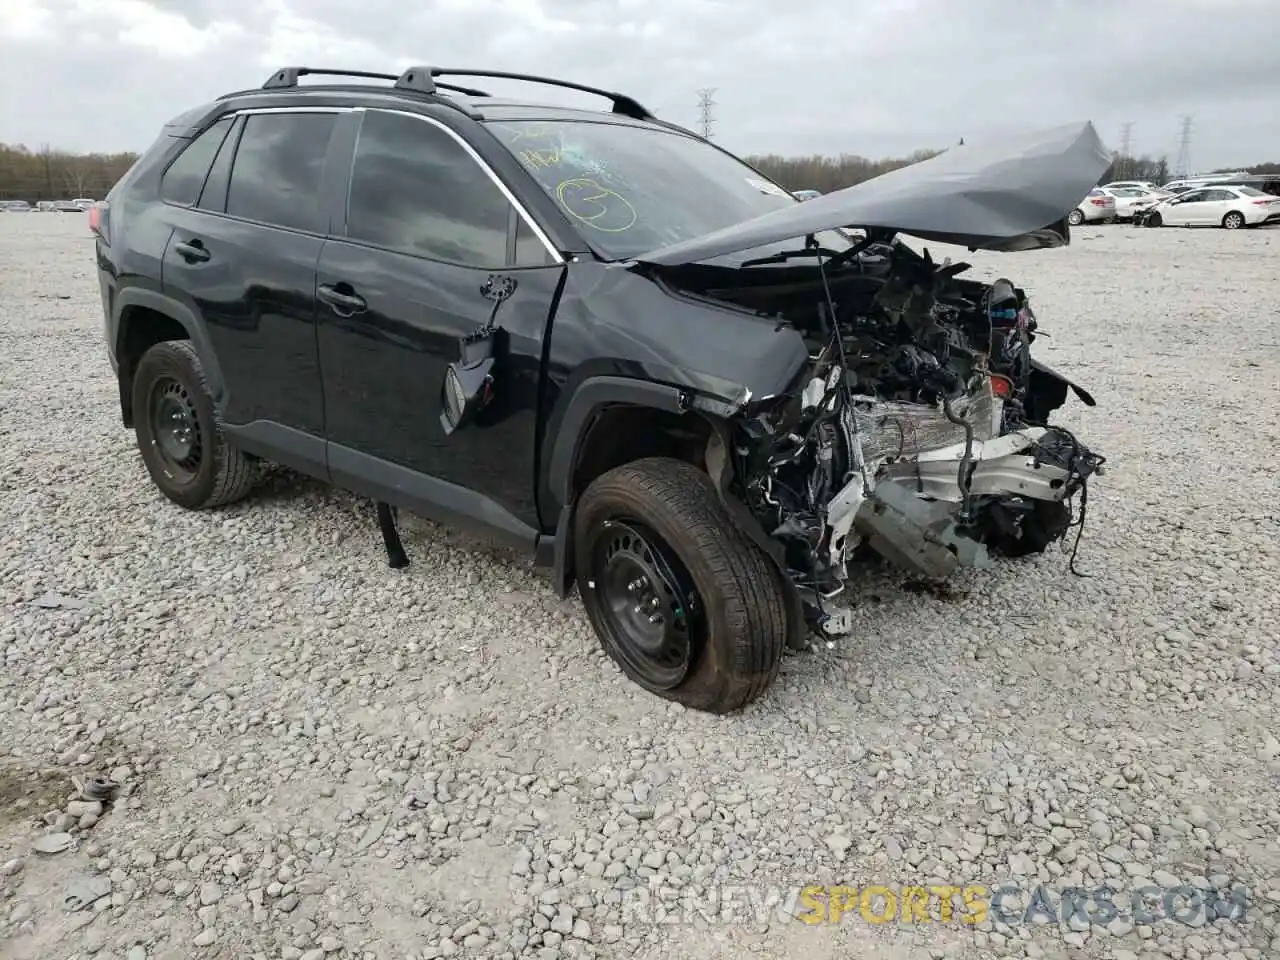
x=1233 y=221
x=179 y=434
x=653 y=535
x=1075 y=217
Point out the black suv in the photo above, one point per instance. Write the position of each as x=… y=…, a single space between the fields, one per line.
x=581 y=333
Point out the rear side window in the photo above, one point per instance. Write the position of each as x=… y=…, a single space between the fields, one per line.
x=181 y=183
x=275 y=178
x=415 y=190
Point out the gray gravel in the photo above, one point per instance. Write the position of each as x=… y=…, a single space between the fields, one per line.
x=321 y=757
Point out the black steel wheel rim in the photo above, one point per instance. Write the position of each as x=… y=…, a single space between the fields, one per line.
x=650 y=609
x=175 y=428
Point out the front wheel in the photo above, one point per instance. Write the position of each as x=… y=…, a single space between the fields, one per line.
x=1153 y=220
x=686 y=605
x=178 y=431
x=1233 y=220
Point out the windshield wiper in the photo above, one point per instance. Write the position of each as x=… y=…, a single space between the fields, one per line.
x=782 y=256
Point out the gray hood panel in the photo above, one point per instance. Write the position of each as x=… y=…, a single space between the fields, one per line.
x=1006 y=194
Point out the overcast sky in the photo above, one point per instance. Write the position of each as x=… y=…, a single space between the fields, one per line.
x=874 y=77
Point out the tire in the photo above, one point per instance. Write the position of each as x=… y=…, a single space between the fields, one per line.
x=1075 y=217
x=169 y=386
x=1153 y=220
x=737 y=615
x=1234 y=220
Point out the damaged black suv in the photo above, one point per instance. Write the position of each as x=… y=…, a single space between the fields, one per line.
x=599 y=338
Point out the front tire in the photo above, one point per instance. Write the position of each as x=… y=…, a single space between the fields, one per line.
x=1233 y=220
x=178 y=432
x=686 y=605
x=1153 y=220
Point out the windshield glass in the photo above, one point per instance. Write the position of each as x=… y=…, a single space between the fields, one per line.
x=630 y=190
x=1131 y=192
x=1251 y=192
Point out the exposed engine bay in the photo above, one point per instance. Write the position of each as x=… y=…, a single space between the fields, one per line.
x=919 y=429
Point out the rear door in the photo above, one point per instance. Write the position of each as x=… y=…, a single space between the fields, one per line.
x=429 y=234
x=243 y=256
x=1219 y=203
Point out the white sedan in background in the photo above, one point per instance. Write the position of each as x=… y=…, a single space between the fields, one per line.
x=1130 y=201
x=1096 y=206
x=1216 y=206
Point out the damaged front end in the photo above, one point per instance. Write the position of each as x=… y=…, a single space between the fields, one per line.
x=919 y=429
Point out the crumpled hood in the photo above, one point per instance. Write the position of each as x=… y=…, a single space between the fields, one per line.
x=1007 y=194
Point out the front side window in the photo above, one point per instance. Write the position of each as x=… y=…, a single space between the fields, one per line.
x=275 y=177
x=416 y=190
x=181 y=183
x=630 y=189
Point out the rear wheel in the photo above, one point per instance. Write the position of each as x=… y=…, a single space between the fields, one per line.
x=1233 y=220
x=688 y=607
x=1075 y=217
x=178 y=432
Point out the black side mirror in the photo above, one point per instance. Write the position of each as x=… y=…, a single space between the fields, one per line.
x=468 y=383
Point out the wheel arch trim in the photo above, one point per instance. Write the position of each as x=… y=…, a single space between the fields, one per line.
x=180 y=314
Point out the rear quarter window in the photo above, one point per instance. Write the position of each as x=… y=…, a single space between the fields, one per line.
x=182 y=182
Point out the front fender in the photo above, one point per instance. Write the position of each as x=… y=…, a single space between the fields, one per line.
x=1047 y=391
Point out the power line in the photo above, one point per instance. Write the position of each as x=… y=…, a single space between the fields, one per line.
x=706 y=104
x=1126 y=148
x=1183 y=166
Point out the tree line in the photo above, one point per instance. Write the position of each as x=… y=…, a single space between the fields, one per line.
x=49 y=174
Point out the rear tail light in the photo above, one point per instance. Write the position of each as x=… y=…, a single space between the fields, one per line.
x=100 y=220
x=1098 y=202
x=1265 y=202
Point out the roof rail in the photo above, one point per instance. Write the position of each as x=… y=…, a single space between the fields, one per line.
x=422 y=79
x=418 y=79
x=622 y=104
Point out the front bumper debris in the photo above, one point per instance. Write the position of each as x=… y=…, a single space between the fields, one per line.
x=911 y=509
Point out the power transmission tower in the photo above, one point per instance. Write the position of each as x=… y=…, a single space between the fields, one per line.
x=1183 y=165
x=1126 y=146
x=705 y=105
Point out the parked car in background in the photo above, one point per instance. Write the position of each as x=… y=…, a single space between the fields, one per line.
x=83 y=203
x=15 y=206
x=44 y=206
x=807 y=194
x=1130 y=200
x=1121 y=184
x=67 y=206
x=1217 y=206
x=1095 y=206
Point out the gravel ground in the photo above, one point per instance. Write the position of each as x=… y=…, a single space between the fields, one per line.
x=320 y=756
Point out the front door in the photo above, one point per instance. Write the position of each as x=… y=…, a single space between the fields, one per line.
x=432 y=250
x=1188 y=210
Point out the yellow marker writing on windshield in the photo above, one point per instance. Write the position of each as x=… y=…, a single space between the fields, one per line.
x=596 y=206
